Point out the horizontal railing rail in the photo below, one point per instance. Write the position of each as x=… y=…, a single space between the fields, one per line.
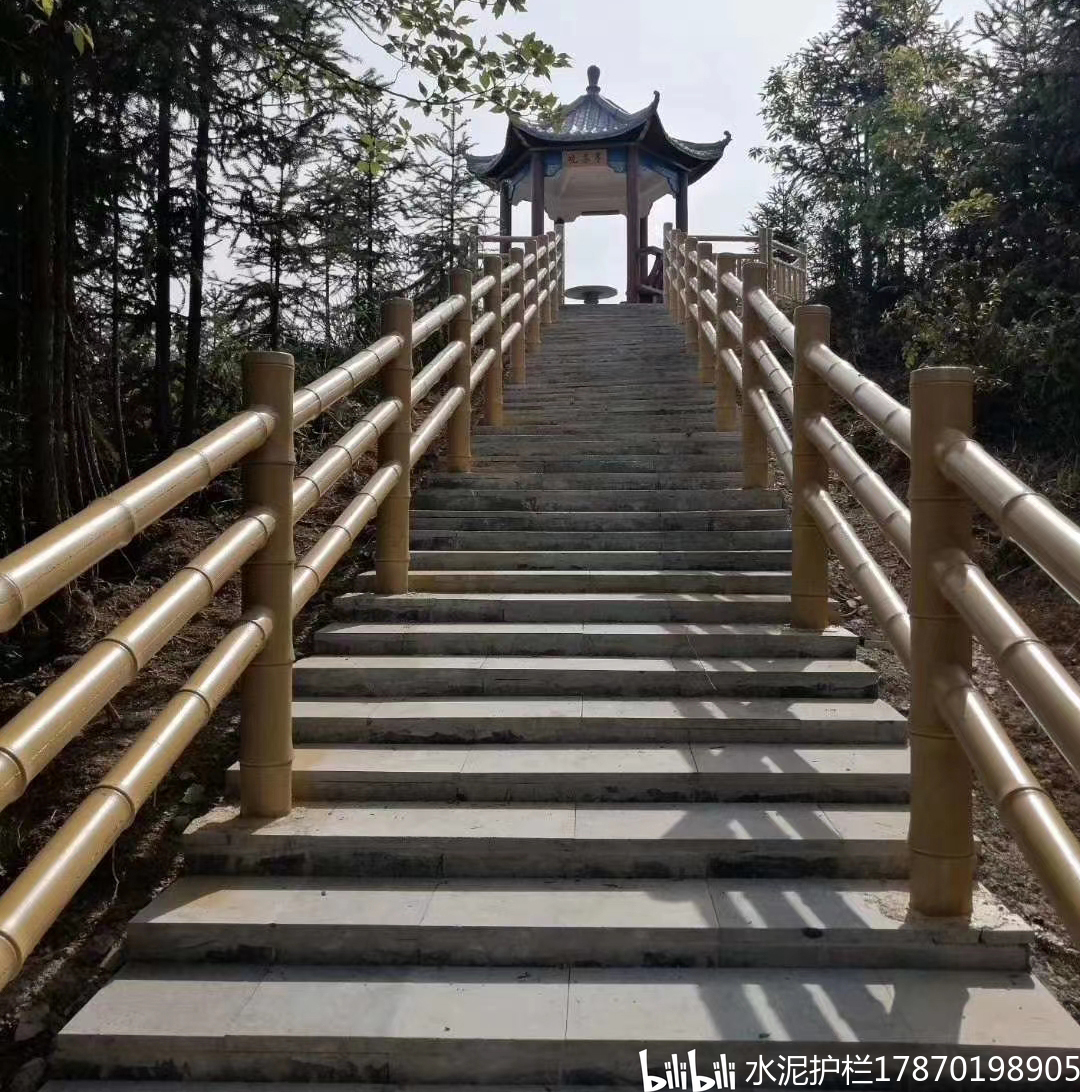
x=728 y=311
x=258 y=651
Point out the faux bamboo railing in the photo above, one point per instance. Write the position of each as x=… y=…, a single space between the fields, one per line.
x=516 y=298
x=741 y=336
x=787 y=265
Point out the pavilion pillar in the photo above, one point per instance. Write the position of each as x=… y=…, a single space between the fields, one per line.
x=537 y=193
x=682 y=208
x=633 y=223
x=506 y=223
x=643 y=252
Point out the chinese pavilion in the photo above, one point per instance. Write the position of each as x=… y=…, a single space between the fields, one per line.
x=595 y=159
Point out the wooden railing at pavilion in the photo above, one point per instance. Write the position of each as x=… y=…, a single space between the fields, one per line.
x=515 y=299
x=734 y=325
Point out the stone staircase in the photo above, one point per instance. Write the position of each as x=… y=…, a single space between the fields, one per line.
x=579 y=793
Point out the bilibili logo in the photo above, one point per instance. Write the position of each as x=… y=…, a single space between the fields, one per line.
x=684 y=1076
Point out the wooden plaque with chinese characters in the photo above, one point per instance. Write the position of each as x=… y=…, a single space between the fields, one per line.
x=593 y=157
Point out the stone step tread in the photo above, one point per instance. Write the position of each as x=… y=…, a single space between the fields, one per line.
x=580 y=639
x=588 y=500
x=601 y=675
x=631 y=629
x=812 y=913
x=591 y=580
x=380 y=762
x=689 y=561
x=790 y=827
x=704 y=541
x=612 y=773
x=524 y=720
x=694 y=712
x=768 y=519
x=540 y=1024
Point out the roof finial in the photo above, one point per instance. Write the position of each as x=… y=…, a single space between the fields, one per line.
x=594 y=80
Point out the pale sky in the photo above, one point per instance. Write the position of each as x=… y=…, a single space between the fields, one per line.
x=709 y=60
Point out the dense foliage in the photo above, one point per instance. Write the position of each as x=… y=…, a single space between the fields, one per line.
x=937 y=177
x=182 y=180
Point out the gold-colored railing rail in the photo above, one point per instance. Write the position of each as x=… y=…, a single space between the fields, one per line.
x=258 y=651
x=728 y=311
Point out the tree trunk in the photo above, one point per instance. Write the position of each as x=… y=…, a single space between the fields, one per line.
x=163 y=270
x=200 y=214
x=45 y=482
x=115 y=377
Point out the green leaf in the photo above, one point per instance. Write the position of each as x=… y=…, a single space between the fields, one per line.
x=47 y=6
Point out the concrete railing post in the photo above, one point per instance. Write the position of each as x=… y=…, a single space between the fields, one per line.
x=940 y=836
x=392 y=526
x=459 y=434
x=693 y=288
x=667 y=267
x=517 y=350
x=706 y=352
x=727 y=409
x=532 y=339
x=553 y=277
x=677 y=275
x=809 y=558
x=266 y=749
x=560 y=231
x=493 y=381
x=755 y=448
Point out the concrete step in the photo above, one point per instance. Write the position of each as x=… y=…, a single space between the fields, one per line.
x=586 y=427
x=769 y=519
x=608 y=422
x=667 y=581
x=653 y=442
x=613 y=923
x=601 y=481
x=499 y=540
x=580 y=639
x=522 y=676
x=549 y=1026
x=580 y=609
x=547 y=462
x=513 y=498
x=598 y=773
x=609 y=560
x=571 y=841
x=851 y=721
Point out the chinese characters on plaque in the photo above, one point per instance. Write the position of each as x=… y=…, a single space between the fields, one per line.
x=591 y=158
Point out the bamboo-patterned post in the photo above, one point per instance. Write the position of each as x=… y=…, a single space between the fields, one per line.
x=560 y=231
x=266 y=749
x=706 y=349
x=809 y=559
x=459 y=434
x=532 y=339
x=553 y=277
x=754 y=447
x=517 y=349
x=727 y=416
x=677 y=278
x=493 y=381
x=765 y=247
x=940 y=835
x=392 y=525
x=693 y=287
x=667 y=268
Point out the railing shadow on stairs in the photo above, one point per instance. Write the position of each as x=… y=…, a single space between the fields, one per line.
x=724 y=303
x=515 y=297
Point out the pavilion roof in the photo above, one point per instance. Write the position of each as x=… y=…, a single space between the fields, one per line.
x=592 y=120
